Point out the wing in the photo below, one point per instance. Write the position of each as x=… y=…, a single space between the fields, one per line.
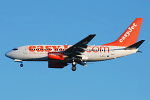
x=76 y=50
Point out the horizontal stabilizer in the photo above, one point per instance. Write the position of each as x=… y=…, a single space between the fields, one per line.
x=135 y=46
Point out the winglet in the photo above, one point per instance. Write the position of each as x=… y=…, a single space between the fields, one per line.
x=88 y=39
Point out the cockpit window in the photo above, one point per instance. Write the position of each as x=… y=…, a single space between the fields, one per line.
x=15 y=49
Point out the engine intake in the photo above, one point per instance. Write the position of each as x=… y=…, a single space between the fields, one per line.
x=56 y=55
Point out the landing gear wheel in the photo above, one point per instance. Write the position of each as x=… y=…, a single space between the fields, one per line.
x=21 y=65
x=73 y=68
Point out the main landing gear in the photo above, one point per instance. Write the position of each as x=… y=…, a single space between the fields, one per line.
x=73 y=66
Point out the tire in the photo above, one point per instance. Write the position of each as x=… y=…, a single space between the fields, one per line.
x=73 y=68
x=21 y=65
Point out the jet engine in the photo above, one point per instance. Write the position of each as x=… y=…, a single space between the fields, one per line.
x=56 y=64
x=56 y=55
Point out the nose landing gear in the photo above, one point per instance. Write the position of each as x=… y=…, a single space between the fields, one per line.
x=21 y=65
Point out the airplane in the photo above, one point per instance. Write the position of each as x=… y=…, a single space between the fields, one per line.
x=59 y=56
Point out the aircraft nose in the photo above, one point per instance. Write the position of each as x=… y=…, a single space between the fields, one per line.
x=8 y=54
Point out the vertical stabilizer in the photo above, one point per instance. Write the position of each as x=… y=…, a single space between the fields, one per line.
x=130 y=36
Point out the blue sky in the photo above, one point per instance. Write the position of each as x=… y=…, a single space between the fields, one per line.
x=26 y=22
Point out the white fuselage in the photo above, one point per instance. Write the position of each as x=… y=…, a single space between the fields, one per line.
x=92 y=53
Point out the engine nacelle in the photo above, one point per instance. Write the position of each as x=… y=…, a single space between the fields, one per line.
x=56 y=55
x=56 y=64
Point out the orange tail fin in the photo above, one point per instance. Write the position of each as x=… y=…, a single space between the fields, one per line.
x=130 y=36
